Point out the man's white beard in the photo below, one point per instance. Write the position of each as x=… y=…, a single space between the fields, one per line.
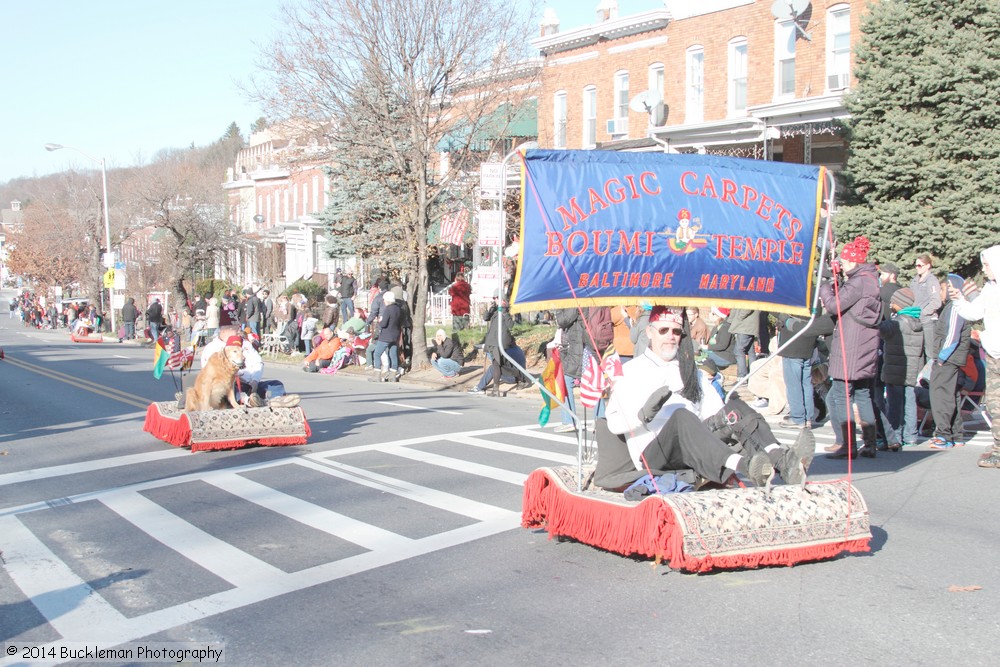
x=668 y=354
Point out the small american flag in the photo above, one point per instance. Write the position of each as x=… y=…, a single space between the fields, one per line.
x=181 y=359
x=453 y=226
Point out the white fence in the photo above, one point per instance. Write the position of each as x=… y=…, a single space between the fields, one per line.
x=439 y=309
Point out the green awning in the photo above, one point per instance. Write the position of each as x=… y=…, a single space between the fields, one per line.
x=505 y=121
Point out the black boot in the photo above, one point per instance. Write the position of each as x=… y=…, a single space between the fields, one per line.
x=845 y=451
x=868 y=436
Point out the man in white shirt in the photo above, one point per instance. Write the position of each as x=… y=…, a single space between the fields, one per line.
x=672 y=418
x=252 y=391
x=985 y=306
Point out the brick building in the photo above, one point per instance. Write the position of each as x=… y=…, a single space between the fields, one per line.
x=275 y=190
x=714 y=76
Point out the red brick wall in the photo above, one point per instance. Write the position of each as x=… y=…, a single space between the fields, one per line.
x=713 y=32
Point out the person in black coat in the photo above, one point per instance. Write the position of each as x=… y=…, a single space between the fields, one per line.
x=129 y=315
x=390 y=328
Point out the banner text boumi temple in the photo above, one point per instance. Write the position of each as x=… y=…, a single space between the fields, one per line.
x=604 y=227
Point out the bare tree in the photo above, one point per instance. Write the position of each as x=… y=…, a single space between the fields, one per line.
x=397 y=77
x=63 y=232
x=180 y=195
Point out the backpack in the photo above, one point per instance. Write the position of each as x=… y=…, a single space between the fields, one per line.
x=599 y=327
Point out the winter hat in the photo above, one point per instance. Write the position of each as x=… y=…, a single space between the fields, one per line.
x=667 y=315
x=389 y=297
x=709 y=367
x=956 y=281
x=234 y=341
x=888 y=267
x=856 y=251
x=902 y=298
x=440 y=333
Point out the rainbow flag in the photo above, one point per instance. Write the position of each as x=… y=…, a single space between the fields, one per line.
x=555 y=382
x=160 y=357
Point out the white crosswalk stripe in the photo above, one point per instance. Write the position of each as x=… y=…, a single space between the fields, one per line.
x=76 y=610
x=79 y=613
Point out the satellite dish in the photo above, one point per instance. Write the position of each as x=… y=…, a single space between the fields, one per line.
x=788 y=9
x=658 y=114
x=791 y=10
x=799 y=6
x=640 y=103
x=258 y=218
x=781 y=10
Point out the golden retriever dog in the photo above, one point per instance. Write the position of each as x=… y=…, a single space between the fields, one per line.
x=215 y=386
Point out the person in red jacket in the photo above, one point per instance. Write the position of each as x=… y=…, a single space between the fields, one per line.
x=460 y=291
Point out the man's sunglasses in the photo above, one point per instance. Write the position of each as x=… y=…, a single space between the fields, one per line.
x=663 y=331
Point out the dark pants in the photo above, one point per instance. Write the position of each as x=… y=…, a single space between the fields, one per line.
x=315 y=366
x=745 y=354
x=685 y=442
x=948 y=422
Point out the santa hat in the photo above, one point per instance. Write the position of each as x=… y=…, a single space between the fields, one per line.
x=234 y=341
x=856 y=251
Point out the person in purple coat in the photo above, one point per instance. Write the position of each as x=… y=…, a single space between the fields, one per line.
x=852 y=298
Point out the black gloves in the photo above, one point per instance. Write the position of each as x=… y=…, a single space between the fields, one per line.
x=654 y=403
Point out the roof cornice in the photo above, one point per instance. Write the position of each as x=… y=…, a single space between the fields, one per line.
x=606 y=30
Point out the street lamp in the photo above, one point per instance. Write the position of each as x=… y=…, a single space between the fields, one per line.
x=107 y=219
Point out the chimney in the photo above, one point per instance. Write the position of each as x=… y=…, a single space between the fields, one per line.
x=607 y=10
x=550 y=22
x=15 y=205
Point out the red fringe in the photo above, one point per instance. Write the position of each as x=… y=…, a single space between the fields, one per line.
x=647 y=529
x=177 y=432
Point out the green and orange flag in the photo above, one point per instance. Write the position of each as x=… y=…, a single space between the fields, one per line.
x=554 y=381
x=160 y=356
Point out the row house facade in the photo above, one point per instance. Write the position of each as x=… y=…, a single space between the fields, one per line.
x=725 y=77
x=275 y=191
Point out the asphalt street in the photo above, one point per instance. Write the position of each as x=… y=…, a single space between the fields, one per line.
x=393 y=538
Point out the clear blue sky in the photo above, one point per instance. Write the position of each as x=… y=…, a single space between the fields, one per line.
x=122 y=79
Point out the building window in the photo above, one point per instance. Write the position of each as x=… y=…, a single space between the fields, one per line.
x=655 y=83
x=738 y=75
x=589 y=117
x=559 y=117
x=784 y=59
x=695 y=94
x=619 y=124
x=838 y=47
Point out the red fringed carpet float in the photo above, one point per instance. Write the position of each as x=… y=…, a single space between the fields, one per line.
x=88 y=338
x=704 y=530
x=226 y=429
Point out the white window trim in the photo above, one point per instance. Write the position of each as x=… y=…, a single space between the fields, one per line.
x=843 y=73
x=657 y=82
x=694 y=103
x=781 y=35
x=732 y=75
x=559 y=124
x=619 y=111
x=589 y=116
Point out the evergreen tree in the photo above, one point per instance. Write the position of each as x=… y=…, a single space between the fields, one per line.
x=923 y=167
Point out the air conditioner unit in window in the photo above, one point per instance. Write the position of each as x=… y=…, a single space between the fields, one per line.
x=838 y=81
x=618 y=126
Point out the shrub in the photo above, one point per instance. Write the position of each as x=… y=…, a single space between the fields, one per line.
x=307 y=288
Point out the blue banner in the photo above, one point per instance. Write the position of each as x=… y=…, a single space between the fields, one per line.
x=606 y=228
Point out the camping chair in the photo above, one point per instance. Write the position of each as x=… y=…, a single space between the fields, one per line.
x=276 y=342
x=972 y=402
